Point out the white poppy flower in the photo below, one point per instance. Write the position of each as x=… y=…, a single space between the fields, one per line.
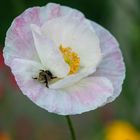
x=62 y=61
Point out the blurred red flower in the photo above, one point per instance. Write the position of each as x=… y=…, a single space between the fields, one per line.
x=1 y=60
x=7 y=72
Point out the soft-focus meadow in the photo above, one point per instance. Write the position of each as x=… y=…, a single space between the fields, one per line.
x=20 y=119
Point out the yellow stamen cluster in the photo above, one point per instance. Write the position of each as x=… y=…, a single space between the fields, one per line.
x=71 y=58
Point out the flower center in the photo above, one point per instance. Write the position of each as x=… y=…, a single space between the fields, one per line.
x=71 y=58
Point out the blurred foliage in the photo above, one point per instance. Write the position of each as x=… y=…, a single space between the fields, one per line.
x=23 y=120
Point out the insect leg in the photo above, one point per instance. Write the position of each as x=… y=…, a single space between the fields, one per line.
x=53 y=77
x=47 y=83
x=34 y=78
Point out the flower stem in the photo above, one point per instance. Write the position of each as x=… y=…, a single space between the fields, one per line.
x=73 y=137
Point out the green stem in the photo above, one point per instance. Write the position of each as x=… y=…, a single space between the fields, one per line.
x=73 y=137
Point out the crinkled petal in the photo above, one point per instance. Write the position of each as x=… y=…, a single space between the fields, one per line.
x=49 y=54
x=50 y=11
x=86 y=95
x=53 y=10
x=112 y=65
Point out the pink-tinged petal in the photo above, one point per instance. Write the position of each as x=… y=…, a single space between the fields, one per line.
x=112 y=65
x=88 y=94
x=19 y=41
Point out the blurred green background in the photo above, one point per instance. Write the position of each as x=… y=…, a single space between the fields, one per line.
x=20 y=119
